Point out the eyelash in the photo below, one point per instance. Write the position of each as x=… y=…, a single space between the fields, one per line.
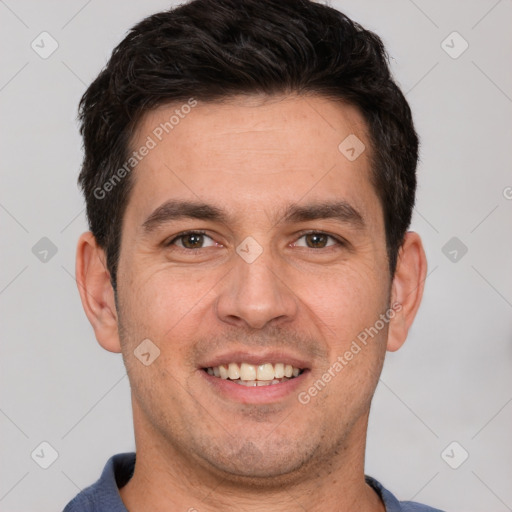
x=339 y=241
x=183 y=235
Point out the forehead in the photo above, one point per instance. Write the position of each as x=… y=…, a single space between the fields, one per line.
x=252 y=154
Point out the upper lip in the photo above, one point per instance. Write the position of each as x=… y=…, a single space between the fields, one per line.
x=256 y=358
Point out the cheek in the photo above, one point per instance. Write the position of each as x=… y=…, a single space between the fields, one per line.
x=347 y=305
x=162 y=302
x=161 y=306
x=345 y=301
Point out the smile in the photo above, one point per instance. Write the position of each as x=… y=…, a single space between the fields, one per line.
x=250 y=375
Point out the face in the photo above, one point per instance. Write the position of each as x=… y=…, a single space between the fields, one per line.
x=286 y=265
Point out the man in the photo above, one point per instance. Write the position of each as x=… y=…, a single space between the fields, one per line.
x=249 y=174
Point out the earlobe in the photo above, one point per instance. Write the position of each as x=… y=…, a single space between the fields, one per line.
x=96 y=292
x=407 y=289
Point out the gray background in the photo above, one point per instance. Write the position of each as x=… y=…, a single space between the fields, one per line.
x=450 y=382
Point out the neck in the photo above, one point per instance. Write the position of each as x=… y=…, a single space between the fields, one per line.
x=167 y=477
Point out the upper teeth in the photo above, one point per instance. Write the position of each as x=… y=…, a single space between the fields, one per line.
x=245 y=371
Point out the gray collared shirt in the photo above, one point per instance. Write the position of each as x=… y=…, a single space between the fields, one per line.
x=103 y=496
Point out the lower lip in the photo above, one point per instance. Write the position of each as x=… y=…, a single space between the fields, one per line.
x=255 y=394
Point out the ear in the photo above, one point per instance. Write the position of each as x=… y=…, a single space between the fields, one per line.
x=96 y=292
x=406 y=289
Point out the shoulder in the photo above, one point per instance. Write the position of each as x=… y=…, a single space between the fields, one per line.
x=412 y=506
x=103 y=495
x=391 y=502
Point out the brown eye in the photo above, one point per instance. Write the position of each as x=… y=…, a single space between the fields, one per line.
x=193 y=240
x=317 y=240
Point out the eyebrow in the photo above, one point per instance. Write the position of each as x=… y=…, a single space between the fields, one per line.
x=337 y=210
x=176 y=209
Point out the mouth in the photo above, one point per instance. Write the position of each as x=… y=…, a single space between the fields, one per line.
x=251 y=375
x=257 y=378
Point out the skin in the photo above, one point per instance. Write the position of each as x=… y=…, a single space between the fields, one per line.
x=252 y=156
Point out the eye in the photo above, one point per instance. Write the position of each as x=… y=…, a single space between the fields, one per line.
x=317 y=240
x=192 y=240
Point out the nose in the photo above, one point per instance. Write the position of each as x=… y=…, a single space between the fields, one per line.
x=256 y=294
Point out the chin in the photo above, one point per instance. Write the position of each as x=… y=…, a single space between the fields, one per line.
x=253 y=466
